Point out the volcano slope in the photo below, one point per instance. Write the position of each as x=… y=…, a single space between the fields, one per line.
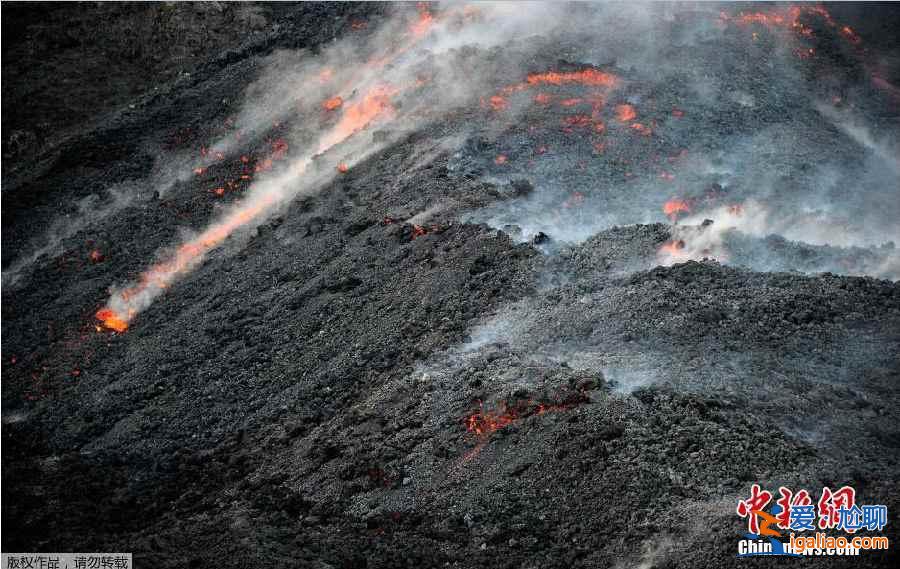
x=483 y=339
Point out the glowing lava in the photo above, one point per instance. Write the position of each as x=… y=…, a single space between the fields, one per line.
x=424 y=22
x=333 y=103
x=588 y=77
x=357 y=116
x=125 y=304
x=674 y=207
x=112 y=320
x=625 y=113
x=485 y=422
x=674 y=248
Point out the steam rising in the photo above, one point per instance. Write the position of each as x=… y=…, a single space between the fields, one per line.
x=361 y=86
x=649 y=112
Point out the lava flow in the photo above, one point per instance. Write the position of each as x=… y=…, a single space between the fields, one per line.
x=485 y=422
x=125 y=304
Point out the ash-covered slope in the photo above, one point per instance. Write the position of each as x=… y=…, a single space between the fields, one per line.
x=393 y=368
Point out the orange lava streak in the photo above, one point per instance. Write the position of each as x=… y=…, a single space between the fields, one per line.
x=161 y=275
x=423 y=24
x=590 y=77
x=124 y=305
x=376 y=103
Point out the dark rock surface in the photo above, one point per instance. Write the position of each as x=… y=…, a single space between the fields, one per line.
x=339 y=390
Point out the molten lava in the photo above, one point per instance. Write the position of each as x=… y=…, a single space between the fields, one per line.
x=357 y=116
x=625 y=113
x=424 y=22
x=792 y=20
x=588 y=77
x=112 y=320
x=673 y=248
x=674 y=207
x=333 y=103
x=498 y=103
x=125 y=304
x=485 y=422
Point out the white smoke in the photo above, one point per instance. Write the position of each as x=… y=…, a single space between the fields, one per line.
x=405 y=75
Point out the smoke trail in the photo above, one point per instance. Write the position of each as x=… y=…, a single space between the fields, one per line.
x=400 y=83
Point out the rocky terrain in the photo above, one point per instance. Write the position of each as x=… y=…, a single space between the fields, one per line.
x=565 y=317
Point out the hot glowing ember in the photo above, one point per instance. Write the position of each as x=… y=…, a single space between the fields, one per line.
x=497 y=103
x=112 y=320
x=641 y=129
x=343 y=168
x=674 y=207
x=125 y=304
x=625 y=113
x=424 y=22
x=589 y=77
x=333 y=103
x=358 y=115
x=793 y=20
x=577 y=120
x=851 y=36
x=485 y=422
x=673 y=248
x=96 y=256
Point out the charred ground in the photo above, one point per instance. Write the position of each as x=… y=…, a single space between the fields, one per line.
x=350 y=390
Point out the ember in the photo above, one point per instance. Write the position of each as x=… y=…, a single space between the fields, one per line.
x=625 y=113
x=589 y=77
x=112 y=320
x=674 y=207
x=674 y=248
x=498 y=103
x=485 y=422
x=425 y=20
x=333 y=103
